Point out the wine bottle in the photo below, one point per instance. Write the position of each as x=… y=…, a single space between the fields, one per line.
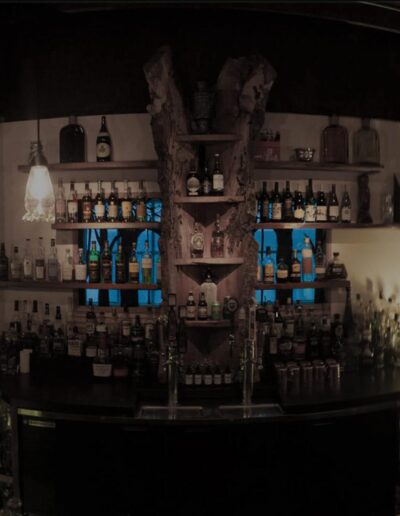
x=99 y=207
x=264 y=204
x=276 y=204
x=133 y=265
x=322 y=209
x=333 y=208
x=106 y=264
x=141 y=203
x=112 y=212
x=126 y=204
x=345 y=209
x=72 y=204
x=72 y=142
x=310 y=204
x=287 y=215
x=103 y=142
x=120 y=265
x=217 y=177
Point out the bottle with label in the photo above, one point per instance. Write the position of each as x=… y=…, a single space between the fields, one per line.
x=345 y=207
x=322 y=208
x=120 y=266
x=320 y=262
x=202 y=309
x=333 y=207
x=276 y=204
x=307 y=260
x=282 y=271
x=103 y=143
x=288 y=213
x=217 y=241
x=28 y=261
x=81 y=267
x=94 y=264
x=198 y=376
x=16 y=271
x=126 y=204
x=264 y=203
x=72 y=142
x=217 y=177
x=209 y=288
x=87 y=204
x=298 y=202
x=133 y=265
x=113 y=204
x=60 y=204
x=366 y=145
x=191 y=309
x=106 y=264
x=269 y=267
x=335 y=147
x=3 y=263
x=40 y=262
x=310 y=213
x=206 y=186
x=295 y=268
x=193 y=181
x=197 y=242
x=147 y=265
x=67 y=266
x=99 y=205
x=336 y=268
x=72 y=204
x=141 y=215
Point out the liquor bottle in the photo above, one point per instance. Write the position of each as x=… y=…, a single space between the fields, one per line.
x=120 y=265
x=72 y=204
x=28 y=261
x=94 y=264
x=287 y=215
x=87 y=205
x=345 y=207
x=126 y=204
x=147 y=265
x=295 y=268
x=138 y=350
x=217 y=241
x=40 y=262
x=106 y=264
x=336 y=268
x=193 y=181
x=206 y=186
x=197 y=242
x=333 y=207
x=90 y=328
x=60 y=204
x=366 y=145
x=298 y=213
x=310 y=204
x=99 y=206
x=191 y=309
x=209 y=288
x=141 y=215
x=81 y=267
x=133 y=265
x=3 y=263
x=282 y=271
x=269 y=267
x=59 y=342
x=276 y=204
x=320 y=262
x=113 y=204
x=103 y=142
x=72 y=142
x=15 y=266
x=322 y=208
x=335 y=147
x=264 y=204
x=307 y=260
x=202 y=309
x=67 y=266
x=217 y=177
x=126 y=323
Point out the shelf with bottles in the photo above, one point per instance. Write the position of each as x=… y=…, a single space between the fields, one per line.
x=73 y=285
x=311 y=167
x=209 y=261
x=316 y=225
x=208 y=199
x=290 y=285
x=208 y=138
x=208 y=323
x=97 y=166
x=106 y=225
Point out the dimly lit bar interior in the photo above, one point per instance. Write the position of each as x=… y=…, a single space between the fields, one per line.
x=199 y=274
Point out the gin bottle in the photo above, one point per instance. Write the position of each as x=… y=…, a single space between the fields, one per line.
x=366 y=145
x=335 y=146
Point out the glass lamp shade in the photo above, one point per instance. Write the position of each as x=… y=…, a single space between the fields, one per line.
x=39 y=193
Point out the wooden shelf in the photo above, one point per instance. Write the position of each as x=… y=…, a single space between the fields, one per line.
x=73 y=285
x=107 y=225
x=207 y=138
x=325 y=284
x=208 y=324
x=97 y=166
x=209 y=261
x=316 y=225
x=320 y=167
x=226 y=199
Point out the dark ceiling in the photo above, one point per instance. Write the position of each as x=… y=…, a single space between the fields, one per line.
x=87 y=57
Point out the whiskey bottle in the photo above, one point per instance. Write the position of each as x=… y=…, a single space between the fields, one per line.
x=103 y=142
x=298 y=206
x=67 y=266
x=310 y=204
x=133 y=265
x=335 y=147
x=209 y=288
x=87 y=204
x=333 y=208
x=72 y=142
x=322 y=209
x=217 y=241
x=99 y=206
x=366 y=144
x=28 y=261
x=287 y=204
x=276 y=204
x=94 y=264
x=191 y=309
x=336 y=268
x=202 y=311
x=112 y=212
x=217 y=177
x=147 y=264
x=197 y=242
x=3 y=263
x=72 y=204
x=320 y=262
x=106 y=264
x=193 y=181
x=206 y=186
x=141 y=215
x=307 y=260
x=126 y=204
x=295 y=268
x=120 y=265
x=264 y=204
x=40 y=262
x=282 y=271
x=60 y=204
x=15 y=266
x=269 y=267
x=80 y=267
x=345 y=208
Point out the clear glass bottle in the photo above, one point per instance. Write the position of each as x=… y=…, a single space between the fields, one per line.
x=217 y=241
x=67 y=266
x=126 y=204
x=94 y=264
x=141 y=215
x=197 y=242
x=103 y=142
x=320 y=262
x=3 y=263
x=336 y=268
x=147 y=265
x=72 y=204
x=28 y=261
x=335 y=145
x=345 y=207
x=133 y=265
x=366 y=145
x=99 y=206
x=120 y=265
x=333 y=206
x=60 y=204
x=81 y=267
x=106 y=264
x=307 y=260
x=87 y=204
x=210 y=290
x=15 y=266
x=282 y=271
x=72 y=142
x=113 y=204
x=40 y=262
x=217 y=177
x=269 y=267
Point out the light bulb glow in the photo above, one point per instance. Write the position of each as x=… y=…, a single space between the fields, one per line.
x=39 y=196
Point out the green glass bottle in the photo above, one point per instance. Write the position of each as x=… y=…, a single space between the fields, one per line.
x=94 y=264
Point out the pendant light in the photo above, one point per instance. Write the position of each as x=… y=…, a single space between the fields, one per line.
x=39 y=193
